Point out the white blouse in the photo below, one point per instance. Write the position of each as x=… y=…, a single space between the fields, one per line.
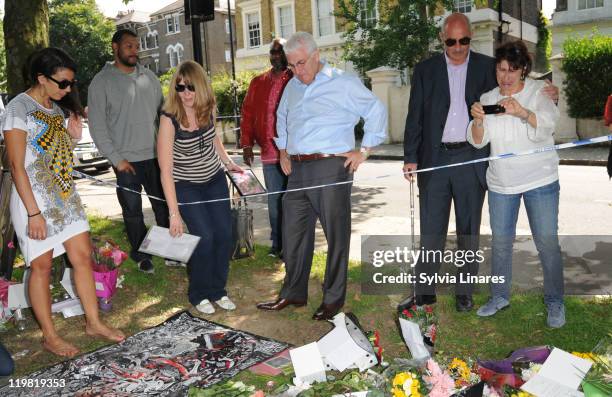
x=508 y=134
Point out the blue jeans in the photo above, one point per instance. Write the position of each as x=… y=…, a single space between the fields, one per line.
x=209 y=264
x=7 y=365
x=542 y=205
x=275 y=181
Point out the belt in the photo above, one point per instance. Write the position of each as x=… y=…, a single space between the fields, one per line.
x=453 y=145
x=310 y=157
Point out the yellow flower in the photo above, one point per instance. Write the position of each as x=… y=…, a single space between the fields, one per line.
x=460 y=368
x=587 y=356
x=405 y=384
x=522 y=394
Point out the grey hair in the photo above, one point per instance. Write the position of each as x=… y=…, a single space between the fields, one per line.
x=278 y=40
x=301 y=40
x=455 y=15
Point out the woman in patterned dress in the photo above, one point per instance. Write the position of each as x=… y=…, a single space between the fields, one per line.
x=46 y=210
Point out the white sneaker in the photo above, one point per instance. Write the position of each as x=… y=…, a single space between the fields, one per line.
x=226 y=303
x=205 y=307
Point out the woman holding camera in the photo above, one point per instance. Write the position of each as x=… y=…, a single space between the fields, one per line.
x=191 y=158
x=527 y=122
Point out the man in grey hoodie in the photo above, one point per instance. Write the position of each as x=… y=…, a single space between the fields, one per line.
x=124 y=100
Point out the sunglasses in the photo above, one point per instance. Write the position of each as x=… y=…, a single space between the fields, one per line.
x=463 y=41
x=62 y=85
x=182 y=87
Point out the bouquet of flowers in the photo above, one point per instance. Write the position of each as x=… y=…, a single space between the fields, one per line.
x=107 y=257
x=419 y=329
x=598 y=381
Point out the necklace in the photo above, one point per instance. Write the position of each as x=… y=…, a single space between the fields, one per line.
x=39 y=99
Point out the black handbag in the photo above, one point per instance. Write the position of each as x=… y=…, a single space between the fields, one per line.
x=242 y=230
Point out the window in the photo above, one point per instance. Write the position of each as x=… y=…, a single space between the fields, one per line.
x=172 y=24
x=227 y=28
x=463 y=5
x=156 y=65
x=368 y=12
x=325 y=19
x=585 y=4
x=175 y=54
x=152 y=40
x=143 y=43
x=285 y=21
x=228 y=56
x=254 y=29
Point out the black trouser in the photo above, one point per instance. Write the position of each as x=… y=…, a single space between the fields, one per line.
x=461 y=186
x=147 y=176
x=332 y=205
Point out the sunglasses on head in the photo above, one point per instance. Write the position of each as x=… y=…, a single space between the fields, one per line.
x=182 y=87
x=62 y=85
x=463 y=41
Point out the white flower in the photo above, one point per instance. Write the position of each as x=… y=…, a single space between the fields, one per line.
x=407 y=385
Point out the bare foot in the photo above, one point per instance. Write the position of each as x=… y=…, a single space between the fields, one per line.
x=103 y=330
x=60 y=347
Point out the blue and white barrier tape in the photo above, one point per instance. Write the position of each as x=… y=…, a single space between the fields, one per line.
x=582 y=142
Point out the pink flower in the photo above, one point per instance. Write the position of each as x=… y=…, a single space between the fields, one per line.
x=258 y=393
x=441 y=382
x=10 y=245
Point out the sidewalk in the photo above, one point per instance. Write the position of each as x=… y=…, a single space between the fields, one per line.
x=595 y=155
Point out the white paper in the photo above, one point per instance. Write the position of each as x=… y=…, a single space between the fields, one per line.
x=67 y=283
x=308 y=364
x=559 y=376
x=17 y=297
x=339 y=350
x=159 y=242
x=414 y=339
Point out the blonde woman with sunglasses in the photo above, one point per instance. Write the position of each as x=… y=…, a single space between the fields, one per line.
x=191 y=158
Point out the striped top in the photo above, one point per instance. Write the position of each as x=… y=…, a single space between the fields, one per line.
x=194 y=156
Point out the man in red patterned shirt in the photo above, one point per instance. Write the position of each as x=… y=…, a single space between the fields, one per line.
x=258 y=125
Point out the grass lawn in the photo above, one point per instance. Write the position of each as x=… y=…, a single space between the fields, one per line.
x=147 y=300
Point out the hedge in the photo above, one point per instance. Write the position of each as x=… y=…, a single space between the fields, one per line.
x=588 y=68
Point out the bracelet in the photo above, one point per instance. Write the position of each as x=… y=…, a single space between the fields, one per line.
x=525 y=119
x=228 y=162
x=173 y=214
x=365 y=152
x=36 y=214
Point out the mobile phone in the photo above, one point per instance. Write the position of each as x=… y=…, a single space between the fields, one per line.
x=493 y=109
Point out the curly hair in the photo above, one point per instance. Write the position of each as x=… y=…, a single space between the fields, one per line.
x=517 y=56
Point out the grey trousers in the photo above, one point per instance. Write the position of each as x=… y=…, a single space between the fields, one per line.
x=461 y=186
x=332 y=206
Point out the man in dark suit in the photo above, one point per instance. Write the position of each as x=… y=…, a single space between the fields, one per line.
x=443 y=89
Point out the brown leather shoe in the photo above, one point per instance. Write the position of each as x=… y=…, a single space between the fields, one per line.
x=326 y=312
x=279 y=304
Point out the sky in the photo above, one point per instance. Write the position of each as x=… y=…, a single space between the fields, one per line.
x=111 y=7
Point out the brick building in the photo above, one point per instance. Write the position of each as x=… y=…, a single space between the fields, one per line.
x=165 y=39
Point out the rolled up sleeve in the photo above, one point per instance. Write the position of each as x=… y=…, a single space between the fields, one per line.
x=547 y=115
x=372 y=110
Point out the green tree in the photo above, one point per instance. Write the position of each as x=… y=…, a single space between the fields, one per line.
x=26 y=29
x=400 y=38
x=80 y=29
x=2 y=60
x=544 y=45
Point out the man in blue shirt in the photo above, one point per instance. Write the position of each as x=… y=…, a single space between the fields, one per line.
x=315 y=125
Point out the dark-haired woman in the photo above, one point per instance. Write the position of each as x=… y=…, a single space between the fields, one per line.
x=528 y=123
x=46 y=210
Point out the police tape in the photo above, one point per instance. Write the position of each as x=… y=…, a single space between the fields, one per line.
x=568 y=145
